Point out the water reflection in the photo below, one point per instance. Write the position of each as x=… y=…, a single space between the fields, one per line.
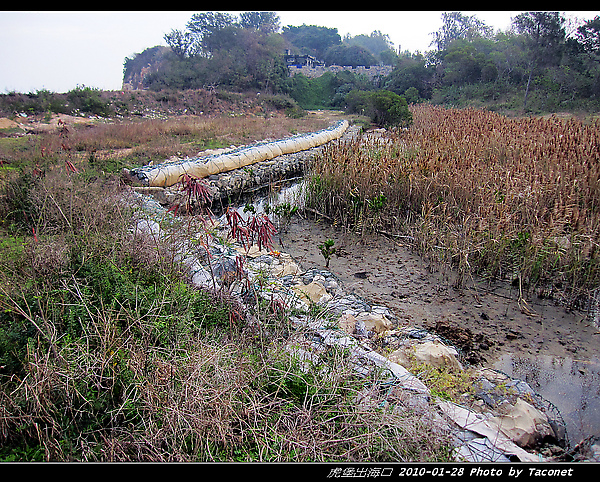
x=571 y=385
x=266 y=200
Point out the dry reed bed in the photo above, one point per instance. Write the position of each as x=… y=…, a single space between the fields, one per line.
x=179 y=131
x=516 y=198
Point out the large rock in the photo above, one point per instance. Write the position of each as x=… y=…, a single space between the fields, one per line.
x=374 y=322
x=481 y=425
x=524 y=424
x=312 y=292
x=401 y=357
x=285 y=267
x=437 y=354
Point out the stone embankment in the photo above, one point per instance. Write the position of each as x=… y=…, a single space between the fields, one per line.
x=232 y=185
x=498 y=419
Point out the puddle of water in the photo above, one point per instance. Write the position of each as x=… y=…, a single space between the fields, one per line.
x=571 y=385
x=263 y=202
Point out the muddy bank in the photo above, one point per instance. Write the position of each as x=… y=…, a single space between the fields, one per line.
x=423 y=295
x=553 y=349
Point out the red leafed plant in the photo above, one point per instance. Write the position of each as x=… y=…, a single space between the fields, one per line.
x=237 y=228
x=257 y=229
x=263 y=229
x=196 y=191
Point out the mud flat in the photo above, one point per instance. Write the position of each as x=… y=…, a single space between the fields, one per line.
x=554 y=350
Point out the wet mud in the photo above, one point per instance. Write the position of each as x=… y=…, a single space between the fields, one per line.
x=554 y=349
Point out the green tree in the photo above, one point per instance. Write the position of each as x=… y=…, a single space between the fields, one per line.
x=267 y=22
x=378 y=44
x=220 y=50
x=387 y=109
x=311 y=39
x=357 y=101
x=384 y=108
x=205 y=25
x=353 y=56
x=463 y=63
x=458 y=26
x=508 y=57
x=588 y=36
x=411 y=70
x=544 y=36
x=412 y=95
x=183 y=44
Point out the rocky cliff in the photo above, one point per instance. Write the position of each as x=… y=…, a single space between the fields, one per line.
x=140 y=65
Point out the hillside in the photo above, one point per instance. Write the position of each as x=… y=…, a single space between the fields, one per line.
x=138 y=104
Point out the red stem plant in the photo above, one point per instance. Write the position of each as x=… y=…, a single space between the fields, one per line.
x=196 y=191
x=257 y=228
x=516 y=198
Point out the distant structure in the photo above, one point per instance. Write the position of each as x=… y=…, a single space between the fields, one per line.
x=309 y=66
x=296 y=60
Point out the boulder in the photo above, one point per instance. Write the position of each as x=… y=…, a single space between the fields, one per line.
x=312 y=292
x=400 y=357
x=477 y=423
x=285 y=267
x=437 y=354
x=374 y=322
x=524 y=424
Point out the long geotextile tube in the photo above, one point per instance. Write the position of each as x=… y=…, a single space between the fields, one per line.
x=168 y=174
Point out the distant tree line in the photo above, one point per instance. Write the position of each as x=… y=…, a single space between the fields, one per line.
x=242 y=53
x=542 y=62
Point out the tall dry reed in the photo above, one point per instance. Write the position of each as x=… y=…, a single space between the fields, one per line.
x=512 y=198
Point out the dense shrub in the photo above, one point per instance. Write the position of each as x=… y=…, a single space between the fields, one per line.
x=387 y=109
x=384 y=108
x=89 y=100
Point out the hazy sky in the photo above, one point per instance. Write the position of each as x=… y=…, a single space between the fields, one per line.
x=58 y=50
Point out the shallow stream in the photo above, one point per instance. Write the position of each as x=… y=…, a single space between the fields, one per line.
x=554 y=350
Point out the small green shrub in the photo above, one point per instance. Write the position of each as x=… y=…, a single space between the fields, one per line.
x=388 y=109
x=384 y=108
x=88 y=99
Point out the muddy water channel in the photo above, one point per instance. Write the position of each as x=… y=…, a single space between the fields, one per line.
x=554 y=350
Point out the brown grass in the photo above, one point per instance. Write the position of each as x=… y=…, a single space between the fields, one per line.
x=131 y=142
x=512 y=198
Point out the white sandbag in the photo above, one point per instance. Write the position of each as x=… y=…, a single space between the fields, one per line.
x=213 y=166
x=287 y=146
x=169 y=174
x=259 y=153
x=272 y=150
